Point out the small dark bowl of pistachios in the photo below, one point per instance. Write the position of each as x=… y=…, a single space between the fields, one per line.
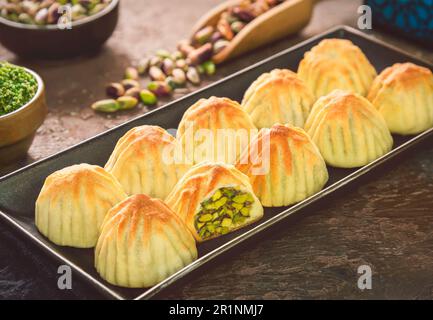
x=56 y=29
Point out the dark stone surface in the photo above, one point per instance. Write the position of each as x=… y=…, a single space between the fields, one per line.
x=384 y=221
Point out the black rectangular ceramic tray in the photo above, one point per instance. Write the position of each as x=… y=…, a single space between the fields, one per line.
x=19 y=190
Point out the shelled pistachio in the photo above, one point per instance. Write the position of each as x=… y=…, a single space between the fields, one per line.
x=226 y=209
x=209 y=68
x=108 y=105
x=127 y=102
x=131 y=73
x=148 y=97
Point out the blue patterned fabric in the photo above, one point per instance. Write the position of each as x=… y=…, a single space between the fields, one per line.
x=412 y=18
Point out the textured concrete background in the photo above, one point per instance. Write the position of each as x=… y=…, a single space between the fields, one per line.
x=385 y=222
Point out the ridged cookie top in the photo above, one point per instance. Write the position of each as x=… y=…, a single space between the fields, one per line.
x=401 y=77
x=403 y=94
x=348 y=130
x=205 y=122
x=131 y=145
x=336 y=64
x=140 y=215
x=283 y=165
x=200 y=182
x=144 y=161
x=76 y=177
x=142 y=242
x=284 y=142
x=73 y=203
x=278 y=97
x=216 y=113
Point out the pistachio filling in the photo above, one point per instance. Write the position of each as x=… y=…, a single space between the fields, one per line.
x=224 y=210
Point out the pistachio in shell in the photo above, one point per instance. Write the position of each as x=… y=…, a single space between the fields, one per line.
x=156 y=74
x=133 y=92
x=115 y=90
x=143 y=66
x=159 y=88
x=203 y=35
x=193 y=76
x=129 y=83
x=220 y=45
x=131 y=73
x=201 y=54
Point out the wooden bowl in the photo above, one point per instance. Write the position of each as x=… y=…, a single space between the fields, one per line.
x=18 y=128
x=86 y=35
x=284 y=19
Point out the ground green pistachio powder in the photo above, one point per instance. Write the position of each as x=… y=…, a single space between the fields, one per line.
x=17 y=87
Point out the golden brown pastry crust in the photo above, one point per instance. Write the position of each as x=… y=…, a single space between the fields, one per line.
x=73 y=203
x=348 y=130
x=336 y=64
x=144 y=161
x=199 y=183
x=142 y=242
x=278 y=97
x=283 y=165
x=214 y=116
x=403 y=94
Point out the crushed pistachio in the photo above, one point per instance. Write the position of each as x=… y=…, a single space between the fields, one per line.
x=224 y=210
x=17 y=87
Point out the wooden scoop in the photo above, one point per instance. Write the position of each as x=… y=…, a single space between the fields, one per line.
x=282 y=20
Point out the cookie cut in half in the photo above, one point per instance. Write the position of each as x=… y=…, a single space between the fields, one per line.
x=214 y=199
